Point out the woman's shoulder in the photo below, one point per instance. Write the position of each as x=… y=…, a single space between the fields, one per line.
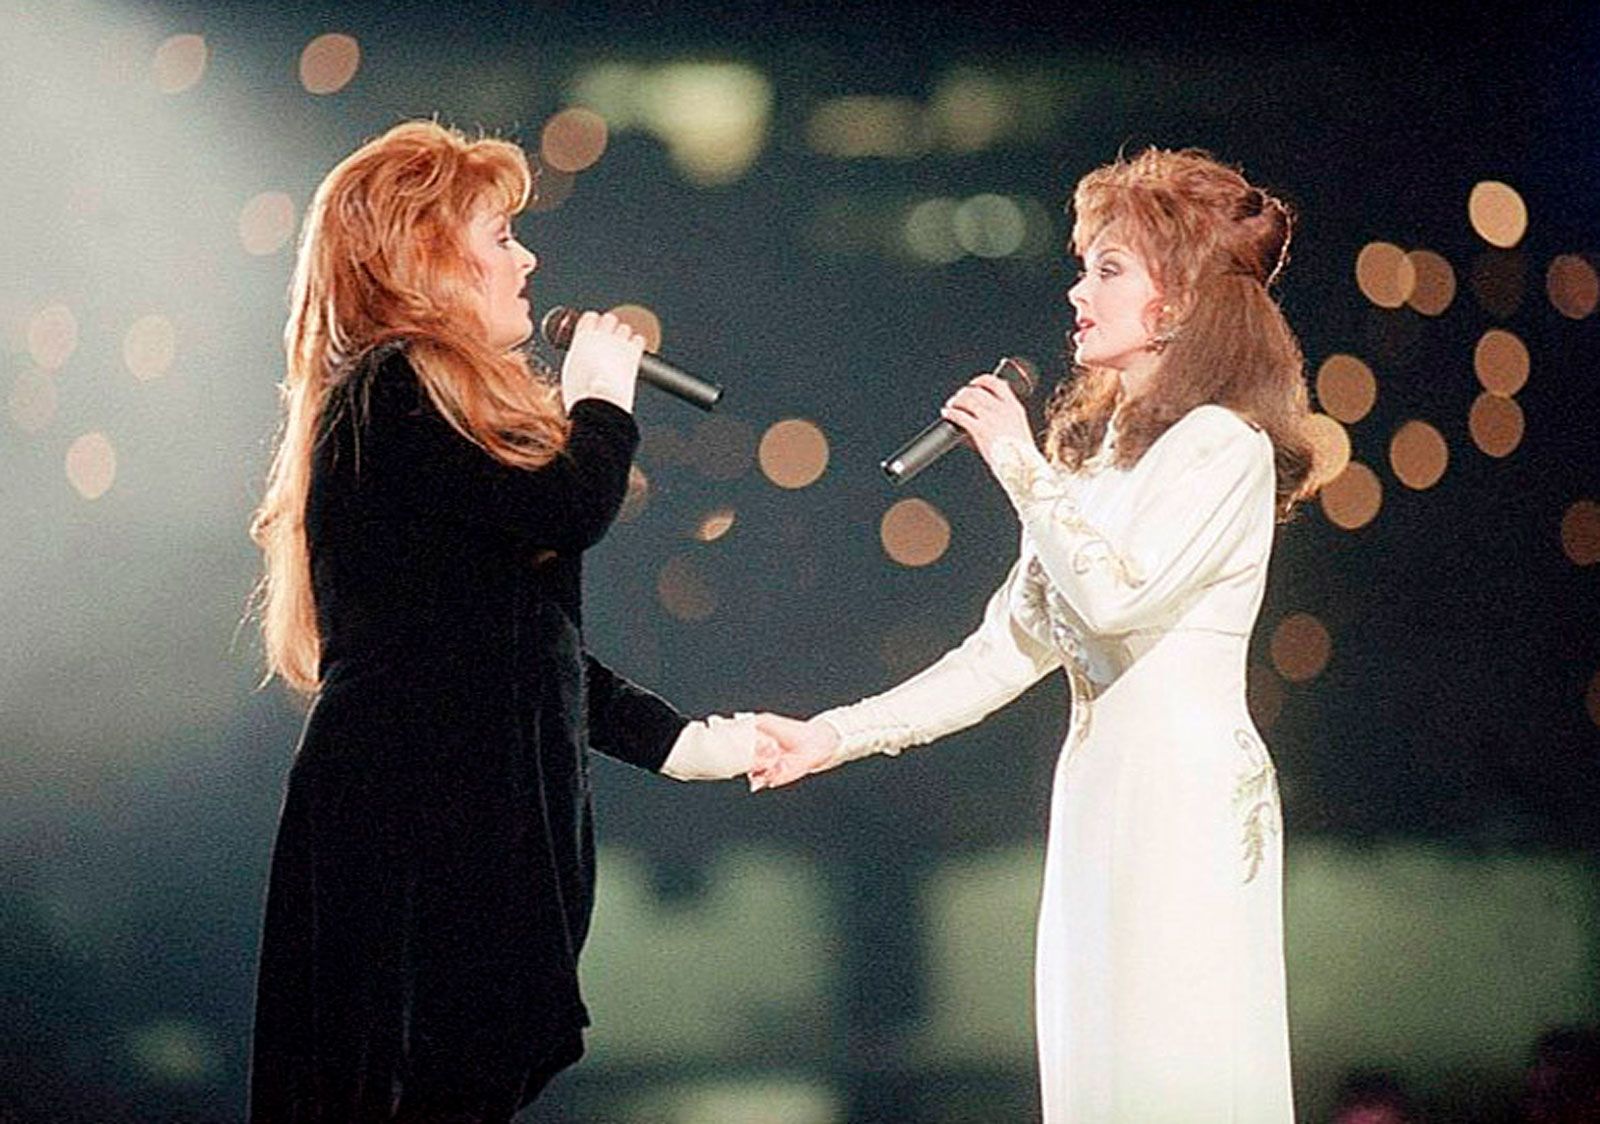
x=1212 y=432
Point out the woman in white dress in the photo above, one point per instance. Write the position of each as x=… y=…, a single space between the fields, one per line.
x=1146 y=526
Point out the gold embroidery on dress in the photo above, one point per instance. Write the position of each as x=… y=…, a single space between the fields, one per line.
x=1255 y=798
x=1029 y=483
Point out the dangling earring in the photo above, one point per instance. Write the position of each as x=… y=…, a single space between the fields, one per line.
x=1160 y=339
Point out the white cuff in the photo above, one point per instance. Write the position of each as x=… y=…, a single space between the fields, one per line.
x=715 y=749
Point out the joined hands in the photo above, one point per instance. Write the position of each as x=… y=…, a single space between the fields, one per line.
x=788 y=749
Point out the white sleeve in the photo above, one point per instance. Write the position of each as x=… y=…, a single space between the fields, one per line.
x=714 y=749
x=992 y=666
x=1208 y=482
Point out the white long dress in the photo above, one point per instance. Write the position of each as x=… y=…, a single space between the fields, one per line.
x=1159 y=970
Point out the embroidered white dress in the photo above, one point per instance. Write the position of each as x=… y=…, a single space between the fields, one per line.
x=1159 y=975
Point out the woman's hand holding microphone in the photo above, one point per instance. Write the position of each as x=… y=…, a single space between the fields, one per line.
x=601 y=362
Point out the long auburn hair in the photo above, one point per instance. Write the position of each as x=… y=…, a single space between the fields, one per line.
x=1214 y=245
x=383 y=258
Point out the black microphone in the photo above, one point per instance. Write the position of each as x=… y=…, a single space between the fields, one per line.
x=942 y=436
x=556 y=328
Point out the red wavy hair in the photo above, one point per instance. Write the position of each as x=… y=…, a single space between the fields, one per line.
x=383 y=257
x=1214 y=245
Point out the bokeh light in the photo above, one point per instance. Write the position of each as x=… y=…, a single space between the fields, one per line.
x=1435 y=282
x=91 y=465
x=684 y=593
x=52 y=336
x=149 y=347
x=1501 y=362
x=1499 y=282
x=1385 y=274
x=180 y=63
x=989 y=226
x=573 y=140
x=1498 y=213
x=642 y=320
x=914 y=533
x=1580 y=533
x=636 y=497
x=866 y=126
x=1300 y=647
x=971 y=110
x=723 y=447
x=1346 y=388
x=1330 y=448
x=175 y=1052
x=33 y=401
x=929 y=231
x=1573 y=287
x=714 y=524
x=1418 y=454
x=1496 y=424
x=1351 y=500
x=793 y=453
x=329 y=62
x=266 y=223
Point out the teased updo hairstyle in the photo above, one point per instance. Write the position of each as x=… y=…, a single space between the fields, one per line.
x=383 y=257
x=1214 y=246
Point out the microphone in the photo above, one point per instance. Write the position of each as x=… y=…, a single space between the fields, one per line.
x=942 y=436
x=556 y=328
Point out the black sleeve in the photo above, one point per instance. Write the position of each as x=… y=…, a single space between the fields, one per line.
x=628 y=722
x=408 y=452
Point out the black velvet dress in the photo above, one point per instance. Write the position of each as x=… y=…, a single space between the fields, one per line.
x=433 y=874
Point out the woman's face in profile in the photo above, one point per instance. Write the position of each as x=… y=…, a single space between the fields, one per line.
x=504 y=266
x=1113 y=303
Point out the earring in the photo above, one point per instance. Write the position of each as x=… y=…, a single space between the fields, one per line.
x=1160 y=339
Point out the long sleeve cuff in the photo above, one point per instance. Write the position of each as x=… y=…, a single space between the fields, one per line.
x=714 y=749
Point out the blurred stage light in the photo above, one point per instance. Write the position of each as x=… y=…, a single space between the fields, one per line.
x=329 y=62
x=1501 y=362
x=1573 y=286
x=173 y=1051
x=573 y=140
x=971 y=110
x=714 y=524
x=1580 y=533
x=266 y=223
x=1385 y=274
x=1352 y=499
x=1496 y=424
x=638 y=495
x=1346 y=388
x=793 y=453
x=914 y=533
x=712 y=116
x=91 y=465
x=1435 y=285
x=642 y=320
x=1300 y=647
x=149 y=347
x=1498 y=213
x=862 y=126
x=929 y=231
x=180 y=63
x=1418 y=454
x=52 y=336
x=989 y=226
x=684 y=593
x=1330 y=448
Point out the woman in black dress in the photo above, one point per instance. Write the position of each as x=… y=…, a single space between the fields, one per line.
x=424 y=526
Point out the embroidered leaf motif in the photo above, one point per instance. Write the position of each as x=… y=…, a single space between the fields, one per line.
x=1031 y=483
x=1255 y=799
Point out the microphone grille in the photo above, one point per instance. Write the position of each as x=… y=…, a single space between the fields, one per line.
x=1019 y=374
x=557 y=324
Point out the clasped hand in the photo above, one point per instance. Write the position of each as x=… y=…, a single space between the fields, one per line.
x=788 y=749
